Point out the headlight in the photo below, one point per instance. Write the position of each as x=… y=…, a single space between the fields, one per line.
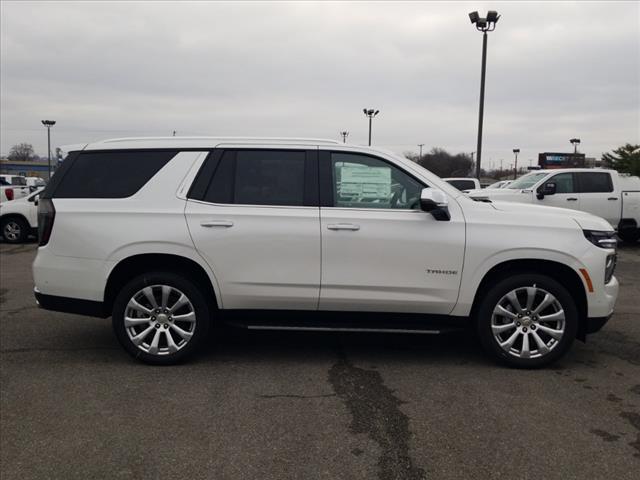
x=601 y=239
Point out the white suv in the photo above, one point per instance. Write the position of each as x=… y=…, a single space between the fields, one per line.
x=167 y=235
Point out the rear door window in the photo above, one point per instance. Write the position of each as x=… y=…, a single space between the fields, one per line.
x=260 y=177
x=113 y=174
x=595 y=182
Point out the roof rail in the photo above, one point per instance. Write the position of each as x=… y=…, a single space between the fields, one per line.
x=322 y=141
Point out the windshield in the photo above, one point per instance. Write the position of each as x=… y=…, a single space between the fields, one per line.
x=527 y=181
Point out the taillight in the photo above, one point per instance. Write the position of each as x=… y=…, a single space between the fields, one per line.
x=46 y=215
x=9 y=193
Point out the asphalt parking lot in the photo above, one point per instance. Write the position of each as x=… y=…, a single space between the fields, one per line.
x=306 y=406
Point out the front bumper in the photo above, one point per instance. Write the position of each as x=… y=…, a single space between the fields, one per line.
x=595 y=324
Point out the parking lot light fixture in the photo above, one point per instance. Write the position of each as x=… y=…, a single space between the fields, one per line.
x=48 y=124
x=370 y=112
x=516 y=151
x=484 y=25
x=344 y=134
x=575 y=142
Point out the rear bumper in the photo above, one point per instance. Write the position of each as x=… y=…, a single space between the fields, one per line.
x=70 y=305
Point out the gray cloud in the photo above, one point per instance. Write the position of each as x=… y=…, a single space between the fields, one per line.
x=555 y=70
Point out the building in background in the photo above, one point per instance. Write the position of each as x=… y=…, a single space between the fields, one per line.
x=33 y=168
x=551 y=160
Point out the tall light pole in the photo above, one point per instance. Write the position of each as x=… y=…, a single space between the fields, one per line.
x=370 y=113
x=344 y=135
x=49 y=124
x=575 y=142
x=483 y=25
x=516 y=151
x=420 y=145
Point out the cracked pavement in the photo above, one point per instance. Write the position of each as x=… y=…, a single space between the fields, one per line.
x=263 y=405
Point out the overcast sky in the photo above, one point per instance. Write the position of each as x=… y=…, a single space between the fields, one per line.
x=103 y=70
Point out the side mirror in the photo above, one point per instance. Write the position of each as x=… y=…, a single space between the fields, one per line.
x=548 y=188
x=436 y=203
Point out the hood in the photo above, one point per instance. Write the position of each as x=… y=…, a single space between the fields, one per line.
x=480 y=191
x=499 y=193
x=587 y=221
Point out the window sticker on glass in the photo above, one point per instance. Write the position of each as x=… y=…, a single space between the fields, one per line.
x=364 y=183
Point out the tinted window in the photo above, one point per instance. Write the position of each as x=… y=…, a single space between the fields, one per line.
x=110 y=174
x=595 y=182
x=3 y=181
x=462 y=184
x=360 y=181
x=259 y=177
x=21 y=181
x=564 y=183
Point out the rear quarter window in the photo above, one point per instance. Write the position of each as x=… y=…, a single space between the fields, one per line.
x=112 y=174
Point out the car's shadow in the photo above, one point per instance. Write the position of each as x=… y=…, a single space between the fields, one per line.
x=453 y=348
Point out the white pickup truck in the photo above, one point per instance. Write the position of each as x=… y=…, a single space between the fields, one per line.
x=13 y=187
x=604 y=193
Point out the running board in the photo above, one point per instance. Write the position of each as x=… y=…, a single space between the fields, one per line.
x=346 y=322
x=344 y=329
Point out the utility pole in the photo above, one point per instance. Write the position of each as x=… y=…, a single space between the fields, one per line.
x=370 y=113
x=48 y=124
x=420 y=145
x=344 y=134
x=516 y=151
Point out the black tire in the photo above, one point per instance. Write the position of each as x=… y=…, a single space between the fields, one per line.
x=181 y=285
x=629 y=236
x=523 y=280
x=19 y=229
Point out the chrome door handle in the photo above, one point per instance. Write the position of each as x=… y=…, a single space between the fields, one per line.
x=217 y=223
x=571 y=199
x=612 y=198
x=343 y=226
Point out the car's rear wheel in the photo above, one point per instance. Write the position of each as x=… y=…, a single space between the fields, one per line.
x=527 y=321
x=14 y=230
x=160 y=318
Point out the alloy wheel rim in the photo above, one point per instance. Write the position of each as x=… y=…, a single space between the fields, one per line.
x=159 y=320
x=528 y=322
x=11 y=231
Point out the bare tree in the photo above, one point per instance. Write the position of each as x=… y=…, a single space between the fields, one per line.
x=22 y=152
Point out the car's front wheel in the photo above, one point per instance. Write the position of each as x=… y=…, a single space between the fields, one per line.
x=527 y=320
x=160 y=318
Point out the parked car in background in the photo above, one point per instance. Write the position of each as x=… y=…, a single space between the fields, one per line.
x=34 y=183
x=601 y=192
x=463 y=184
x=209 y=229
x=13 y=187
x=19 y=218
x=500 y=184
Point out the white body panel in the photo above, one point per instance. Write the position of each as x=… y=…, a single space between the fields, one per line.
x=394 y=262
x=265 y=257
